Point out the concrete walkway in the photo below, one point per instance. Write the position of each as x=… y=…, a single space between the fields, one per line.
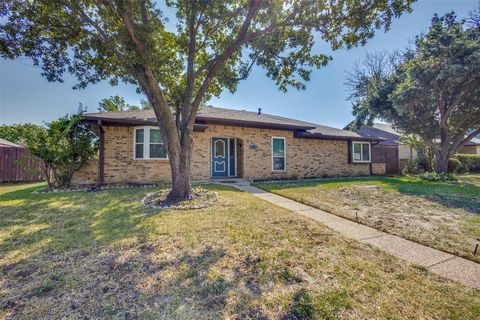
x=438 y=262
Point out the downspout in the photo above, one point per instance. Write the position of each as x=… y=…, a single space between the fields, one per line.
x=101 y=154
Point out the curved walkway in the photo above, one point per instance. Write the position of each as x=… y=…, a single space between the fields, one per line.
x=444 y=264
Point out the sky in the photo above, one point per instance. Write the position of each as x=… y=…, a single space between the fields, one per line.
x=27 y=97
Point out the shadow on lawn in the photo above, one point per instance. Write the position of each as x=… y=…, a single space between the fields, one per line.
x=86 y=255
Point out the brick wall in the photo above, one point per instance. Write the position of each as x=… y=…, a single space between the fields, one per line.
x=304 y=157
x=378 y=168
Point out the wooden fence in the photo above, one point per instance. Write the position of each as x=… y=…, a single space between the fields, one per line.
x=17 y=164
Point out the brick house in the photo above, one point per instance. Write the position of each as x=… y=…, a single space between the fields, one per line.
x=390 y=151
x=471 y=147
x=227 y=143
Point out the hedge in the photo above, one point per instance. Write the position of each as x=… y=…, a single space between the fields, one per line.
x=470 y=162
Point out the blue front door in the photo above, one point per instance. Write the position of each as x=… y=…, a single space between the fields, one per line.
x=220 y=157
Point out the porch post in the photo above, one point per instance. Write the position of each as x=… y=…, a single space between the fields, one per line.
x=101 y=154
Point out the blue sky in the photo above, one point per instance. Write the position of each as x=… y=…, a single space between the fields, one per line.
x=27 y=97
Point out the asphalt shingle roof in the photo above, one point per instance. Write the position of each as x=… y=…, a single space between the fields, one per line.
x=228 y=117
x=381 y=130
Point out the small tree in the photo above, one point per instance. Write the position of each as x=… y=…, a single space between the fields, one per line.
x=65 y=146
x=431 y=90
x=423 y=151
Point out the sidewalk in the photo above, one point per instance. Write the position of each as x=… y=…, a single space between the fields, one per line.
x=443 y=264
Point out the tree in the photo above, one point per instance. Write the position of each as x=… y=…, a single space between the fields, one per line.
x=115 y=103
x=19 y=133
x=65 y=145
x=213 y=46
x=423 y=152
x=431 y=90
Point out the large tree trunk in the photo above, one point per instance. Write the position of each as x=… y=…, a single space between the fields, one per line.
x=442 y=163
x=181 y=173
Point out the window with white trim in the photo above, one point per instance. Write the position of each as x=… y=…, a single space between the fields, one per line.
x=149 y=144
x=278 y=154
x=361 y=151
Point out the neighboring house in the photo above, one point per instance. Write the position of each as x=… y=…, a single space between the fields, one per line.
x=227 y=143
x=471 y=147
x=6 y=143
x=390 y=151
x=17 y=164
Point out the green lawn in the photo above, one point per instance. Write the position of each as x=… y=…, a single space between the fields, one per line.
x=101 y=255
x=442 y=215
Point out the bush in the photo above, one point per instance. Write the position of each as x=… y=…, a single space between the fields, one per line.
x=410 y=168
x=433 y=176
x=469 y=162
x=65 y=145
x=454 y=165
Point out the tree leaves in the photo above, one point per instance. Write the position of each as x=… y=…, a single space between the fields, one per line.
x=432 y=90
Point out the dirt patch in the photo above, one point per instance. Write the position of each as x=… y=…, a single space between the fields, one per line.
x=202 y=199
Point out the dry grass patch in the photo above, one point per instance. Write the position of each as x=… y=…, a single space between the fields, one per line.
x=102 y=255
x=443 y=215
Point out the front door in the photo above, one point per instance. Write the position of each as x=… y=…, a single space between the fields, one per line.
x=220 y=157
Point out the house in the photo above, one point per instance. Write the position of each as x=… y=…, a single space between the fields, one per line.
x=471 y=147
x=395 y=154
x=6 y=143
x=227 y=143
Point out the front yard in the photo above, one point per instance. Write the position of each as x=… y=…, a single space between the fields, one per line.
x=101 y=255
x=445 y=216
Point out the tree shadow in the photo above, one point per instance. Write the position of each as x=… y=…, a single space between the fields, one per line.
x=86 y=255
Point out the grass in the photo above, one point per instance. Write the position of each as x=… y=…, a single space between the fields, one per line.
x=101 y=255
x=443 y=215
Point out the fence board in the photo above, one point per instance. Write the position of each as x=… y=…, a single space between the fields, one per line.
x=17 y=164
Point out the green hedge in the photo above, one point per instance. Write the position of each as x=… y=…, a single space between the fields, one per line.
x=470 y=162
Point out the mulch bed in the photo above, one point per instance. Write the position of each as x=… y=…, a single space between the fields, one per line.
x=202 y=199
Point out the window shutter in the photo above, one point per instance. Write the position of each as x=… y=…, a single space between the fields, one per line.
x=349 y=151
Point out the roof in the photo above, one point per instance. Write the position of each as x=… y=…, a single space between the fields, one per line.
x=213 y=115
x=473 y=142
x=381 y=130
x=391 y=136
x=6 y=143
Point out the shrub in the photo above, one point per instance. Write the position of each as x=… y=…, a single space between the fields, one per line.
x=65 y=145
x=454 y=165
x=410 y=168
x=434 y=176
x=470 y=162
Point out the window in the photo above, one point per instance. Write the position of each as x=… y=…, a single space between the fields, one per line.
x=278 y=154
x=149 y=144
x=361 y=151
x=139 y=143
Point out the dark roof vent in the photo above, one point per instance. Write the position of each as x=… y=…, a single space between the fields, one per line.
x=259 y=111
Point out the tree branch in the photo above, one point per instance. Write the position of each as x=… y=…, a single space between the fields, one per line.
x=220 y=60
x=129 y=25
x=192 y=30
x=101 y=35
x=469 y=137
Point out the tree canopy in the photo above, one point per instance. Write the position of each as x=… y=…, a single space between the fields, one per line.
x=431 y=90
x=65 y=145
x=115 y=103
x=181 y=53
x=20 y=133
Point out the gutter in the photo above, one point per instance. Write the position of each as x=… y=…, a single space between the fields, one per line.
x=320 y=136
x=198 y=127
